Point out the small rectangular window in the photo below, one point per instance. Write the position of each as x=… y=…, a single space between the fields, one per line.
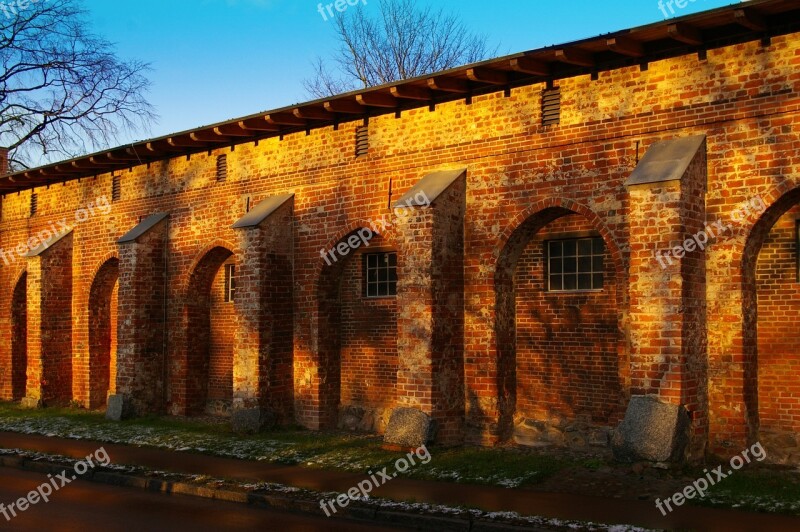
x=34 y=203
x=380 y=274
x=230 y=282
x=575 y=264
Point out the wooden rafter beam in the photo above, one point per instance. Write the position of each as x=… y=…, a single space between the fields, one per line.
x=161 y=146
x=84 y=164
x=750 y=19
x=126 y=157
x=575 y=56
x=257 y=124
x=407 y=92
x=284 y=119
x=35 y=174
x=625 y=46
x=347 y=107
x=449 y=85
x=685 y=33
x=207 y=136
x=313 y=113
x=66 y=169
x=487 y=75
x=231 y=130
x=103 y=160
x=377 y=99
x=528 y=65
x=185 y=142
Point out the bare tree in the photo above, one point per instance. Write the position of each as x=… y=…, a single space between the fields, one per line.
x=62 y=89
x=405 y=41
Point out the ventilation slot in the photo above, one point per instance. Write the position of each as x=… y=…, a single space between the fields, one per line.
x=222 y=168
x=116 y=188
x=551 y=107
x=34 y=203
x=362 y=140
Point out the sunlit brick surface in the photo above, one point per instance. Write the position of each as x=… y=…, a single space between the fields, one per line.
x=470 y=348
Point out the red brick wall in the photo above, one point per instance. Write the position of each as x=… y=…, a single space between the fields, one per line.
x=223 y=328
x=357 y=335
x=141 y=330
x=568 y=363
x=745 y=98
x=49 y=293
x=208 y=367
x=113 y=323
x=19 y=340
x=778 y=318
x=102 y=334
x=369 y=341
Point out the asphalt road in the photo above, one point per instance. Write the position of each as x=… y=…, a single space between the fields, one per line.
x=83 y=506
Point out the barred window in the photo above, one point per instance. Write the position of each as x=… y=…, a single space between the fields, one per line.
x=575 y=264
x=380 y=274
x=230 y=282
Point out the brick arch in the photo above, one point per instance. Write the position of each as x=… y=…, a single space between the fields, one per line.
x=202 y=255
x=778 y=202
x=200 y=355
x=102 y=306
x=567 y=205
x=333 y=327
x=19 y=336
x=387 y=237
x=514 y=242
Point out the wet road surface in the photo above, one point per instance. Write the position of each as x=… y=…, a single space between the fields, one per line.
x=86 y=506
x=524 y=501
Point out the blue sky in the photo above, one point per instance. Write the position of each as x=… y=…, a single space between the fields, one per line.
x=219 y=59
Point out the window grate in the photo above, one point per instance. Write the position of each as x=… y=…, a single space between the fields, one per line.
x=362 y=140
x=34 y=203
x=116 y=188
x=575 y=264
x=797 y=247
x=551 y=107
x=230 y=282
x=222 y=168
x=380 y=274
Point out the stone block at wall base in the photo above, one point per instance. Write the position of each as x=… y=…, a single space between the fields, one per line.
x=409 y=428
x=652 y=431
x=31 y=403
x=119 y=408
x=251 y=420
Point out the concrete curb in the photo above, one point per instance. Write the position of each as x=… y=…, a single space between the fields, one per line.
x=301 y=503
